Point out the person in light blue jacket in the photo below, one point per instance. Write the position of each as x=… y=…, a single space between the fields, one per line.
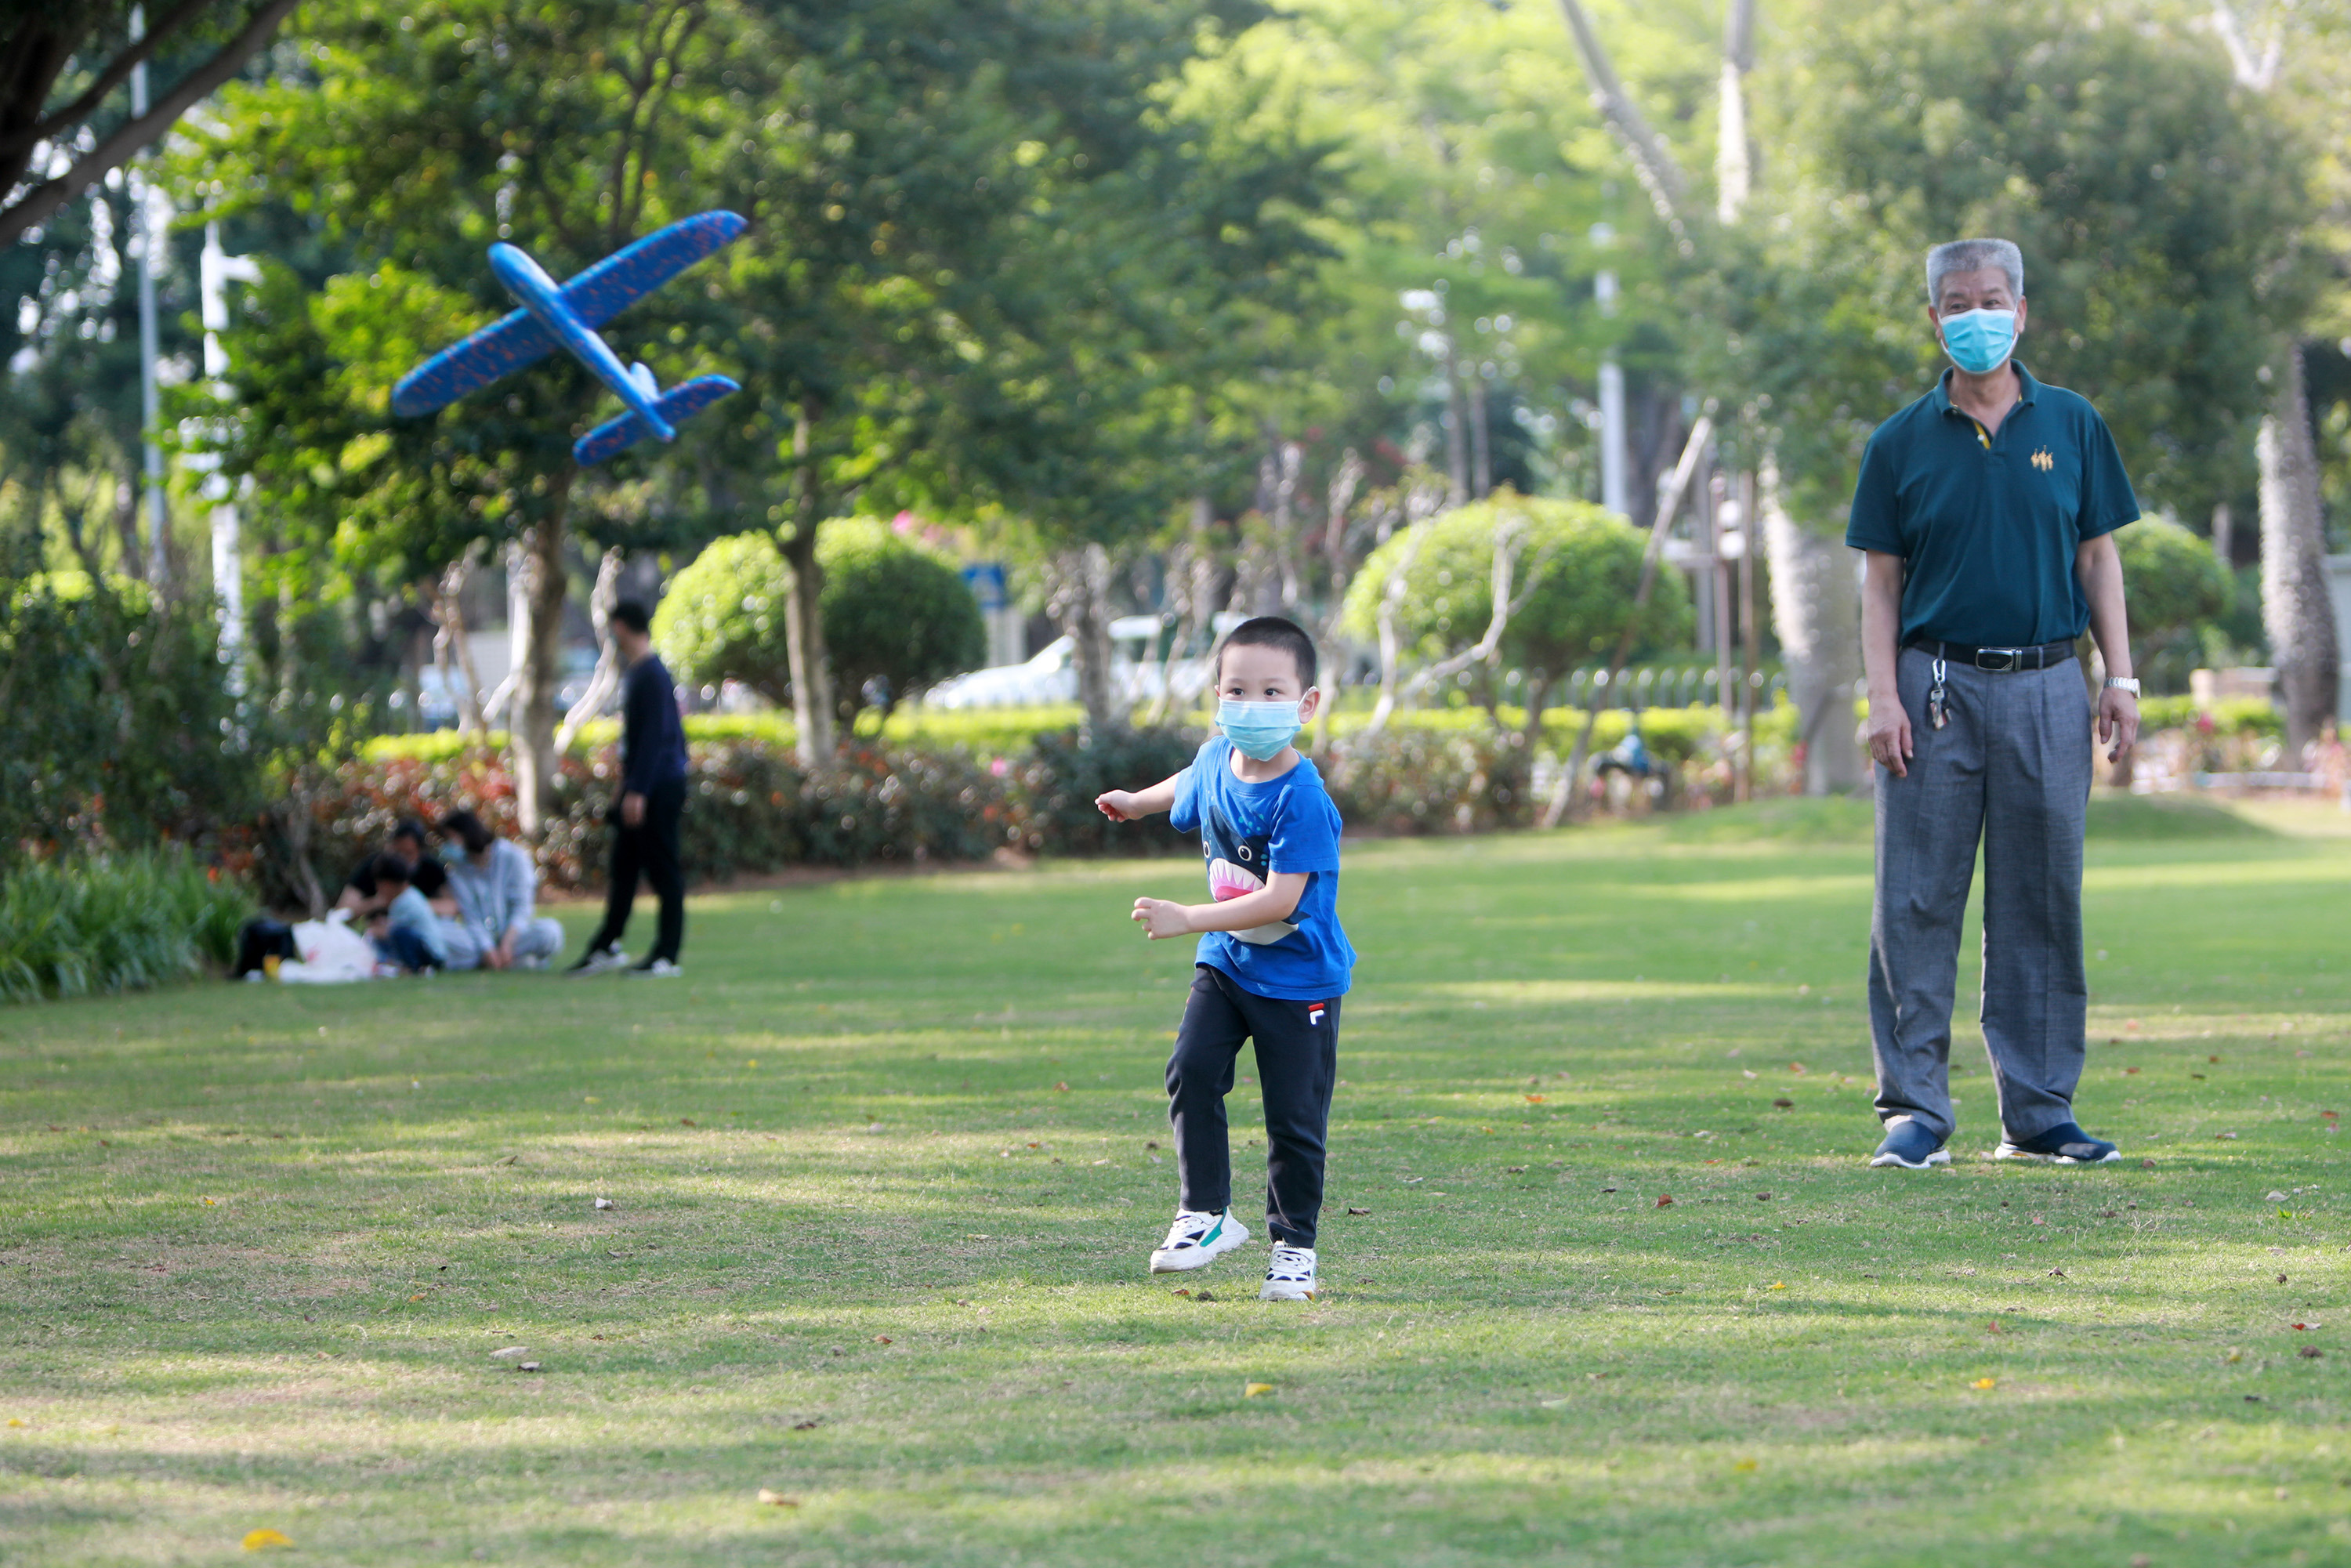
x=498 y=925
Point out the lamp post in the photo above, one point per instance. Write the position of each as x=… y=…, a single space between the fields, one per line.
x=215 y=271
x=1612 y=389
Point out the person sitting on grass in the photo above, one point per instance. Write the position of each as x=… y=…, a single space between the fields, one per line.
x=424 y=874
x=498 y=925
x=406 y=931
x=1272 y=961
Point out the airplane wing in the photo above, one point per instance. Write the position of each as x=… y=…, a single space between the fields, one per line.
x=678 y=404
x=602 y=292
x=504 y=346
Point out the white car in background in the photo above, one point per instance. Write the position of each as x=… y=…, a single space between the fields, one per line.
x=1051 y=677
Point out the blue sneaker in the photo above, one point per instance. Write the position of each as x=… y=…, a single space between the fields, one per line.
x=2063 y=1145
x=1910 y=1146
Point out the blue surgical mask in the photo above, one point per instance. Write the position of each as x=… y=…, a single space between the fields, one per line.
x=1980 y=342
x=1258 y=729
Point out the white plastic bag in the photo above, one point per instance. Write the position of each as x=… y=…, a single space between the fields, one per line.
x=331 y=953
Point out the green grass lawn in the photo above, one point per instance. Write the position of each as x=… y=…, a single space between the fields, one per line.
x=885 y=1170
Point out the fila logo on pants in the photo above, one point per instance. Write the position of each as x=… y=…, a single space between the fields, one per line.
x=1314 y=1015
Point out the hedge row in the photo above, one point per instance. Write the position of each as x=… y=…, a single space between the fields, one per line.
x=751 y=809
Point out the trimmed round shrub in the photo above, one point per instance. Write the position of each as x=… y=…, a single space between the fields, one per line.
x=1577 y=567
x=898 y=617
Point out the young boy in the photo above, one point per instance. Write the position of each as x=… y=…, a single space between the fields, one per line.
x=1272 y=963
x=405 y=932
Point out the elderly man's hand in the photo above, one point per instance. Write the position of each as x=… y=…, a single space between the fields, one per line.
x=2117 y=721
x=1889 y=734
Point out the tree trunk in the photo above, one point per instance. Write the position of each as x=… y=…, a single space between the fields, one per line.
x=1080 y=602
x=1456 y=429
x=531 y=737
x=1817 y=609
x=1481 y=454
x=2296 y=610
x=606 y=680
x=813 y=706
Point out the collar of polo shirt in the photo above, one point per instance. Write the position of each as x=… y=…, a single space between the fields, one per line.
x=2027 y=389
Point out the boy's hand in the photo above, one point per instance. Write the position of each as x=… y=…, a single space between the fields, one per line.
x=1118 y=805
x=1159 y=917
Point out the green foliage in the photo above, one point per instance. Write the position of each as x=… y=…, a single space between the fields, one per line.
x=2171 y=577
x=1576 y=571
x=1065 y=771
x=120 y=723
x=722 y=617
x=85 y=926
x=2241 y=717
x=2158 y=208
x=897 y=617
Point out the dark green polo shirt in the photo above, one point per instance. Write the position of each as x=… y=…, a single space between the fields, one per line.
x=1987 y=526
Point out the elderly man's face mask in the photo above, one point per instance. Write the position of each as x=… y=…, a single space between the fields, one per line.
x=1980 y=342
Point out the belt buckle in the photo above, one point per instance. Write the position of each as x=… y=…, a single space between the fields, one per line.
x=1997 y=659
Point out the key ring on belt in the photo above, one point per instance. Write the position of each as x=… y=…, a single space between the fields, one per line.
x=1938 y=711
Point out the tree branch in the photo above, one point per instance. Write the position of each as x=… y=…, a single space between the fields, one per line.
x=50 y=194
x=48 y=127
x=1660 y=175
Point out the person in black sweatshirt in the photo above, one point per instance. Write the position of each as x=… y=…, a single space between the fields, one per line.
x=645 y=820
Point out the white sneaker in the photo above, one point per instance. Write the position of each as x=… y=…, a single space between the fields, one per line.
x=602 y=961
x=1197 y=1239
x=1291 y=1276
x=656 y=969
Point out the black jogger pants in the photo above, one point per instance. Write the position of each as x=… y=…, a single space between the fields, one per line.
x=650 y=847
x=1297 y=1064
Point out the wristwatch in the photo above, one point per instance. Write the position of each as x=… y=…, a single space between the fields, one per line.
x=2124 y=682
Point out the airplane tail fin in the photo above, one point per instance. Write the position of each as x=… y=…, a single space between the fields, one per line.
x=681 y=403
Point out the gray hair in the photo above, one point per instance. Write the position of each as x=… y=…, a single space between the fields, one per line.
x=1973 y=256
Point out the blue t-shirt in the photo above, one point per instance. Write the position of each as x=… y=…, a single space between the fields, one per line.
x=1249 y=832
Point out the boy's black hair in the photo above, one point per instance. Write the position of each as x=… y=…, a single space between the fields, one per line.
x=389 y=867
x=409 y=828
x=632 y=614
x=1272 y=631
x=468 y=830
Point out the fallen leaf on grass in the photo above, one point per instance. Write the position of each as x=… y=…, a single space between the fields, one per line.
x=2276 y=1197
x=777 y=1498
x=1556 y=1403
x=1514 y=1170
x=1762 y=1197
x=1061 y=1089
x=603 y=1203
x=2310 y=1352
x=2227 y=1137
x=508 y=1353
x=1746 y=1073
x=1779 y=1284
x=258 y=1539
x=1665 y=1200
x=2146 y=1165
x=1986 y=1381
x=16 y=1421
x=804 y=1426
x=1181 y=1291
x=1536 y=1099
x=209 y=1202
x=1359 y=1211
x=418 y=1297
x=1744 y=1465
x=525 y=1366
x=881 y=1339
x=1252 y=1390
x=1203 y=1296
x=1783 y=1104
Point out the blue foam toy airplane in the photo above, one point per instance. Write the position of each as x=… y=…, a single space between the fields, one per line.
x=567 y=316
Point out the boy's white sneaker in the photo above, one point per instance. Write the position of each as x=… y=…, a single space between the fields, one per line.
x=1197 y=1239
x=1291 y=1276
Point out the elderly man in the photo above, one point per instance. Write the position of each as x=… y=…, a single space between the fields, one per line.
x=1987 y=511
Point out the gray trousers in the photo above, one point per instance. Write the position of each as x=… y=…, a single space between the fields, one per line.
x=2011 y=770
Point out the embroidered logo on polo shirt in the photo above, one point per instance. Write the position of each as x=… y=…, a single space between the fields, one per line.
x=2043 y=461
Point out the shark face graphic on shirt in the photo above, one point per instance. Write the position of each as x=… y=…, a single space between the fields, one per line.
x=1237 y=866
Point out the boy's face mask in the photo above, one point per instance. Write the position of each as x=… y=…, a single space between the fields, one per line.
x=1259 y=730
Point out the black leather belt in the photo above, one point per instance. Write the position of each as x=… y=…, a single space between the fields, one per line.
x=1997 y=659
